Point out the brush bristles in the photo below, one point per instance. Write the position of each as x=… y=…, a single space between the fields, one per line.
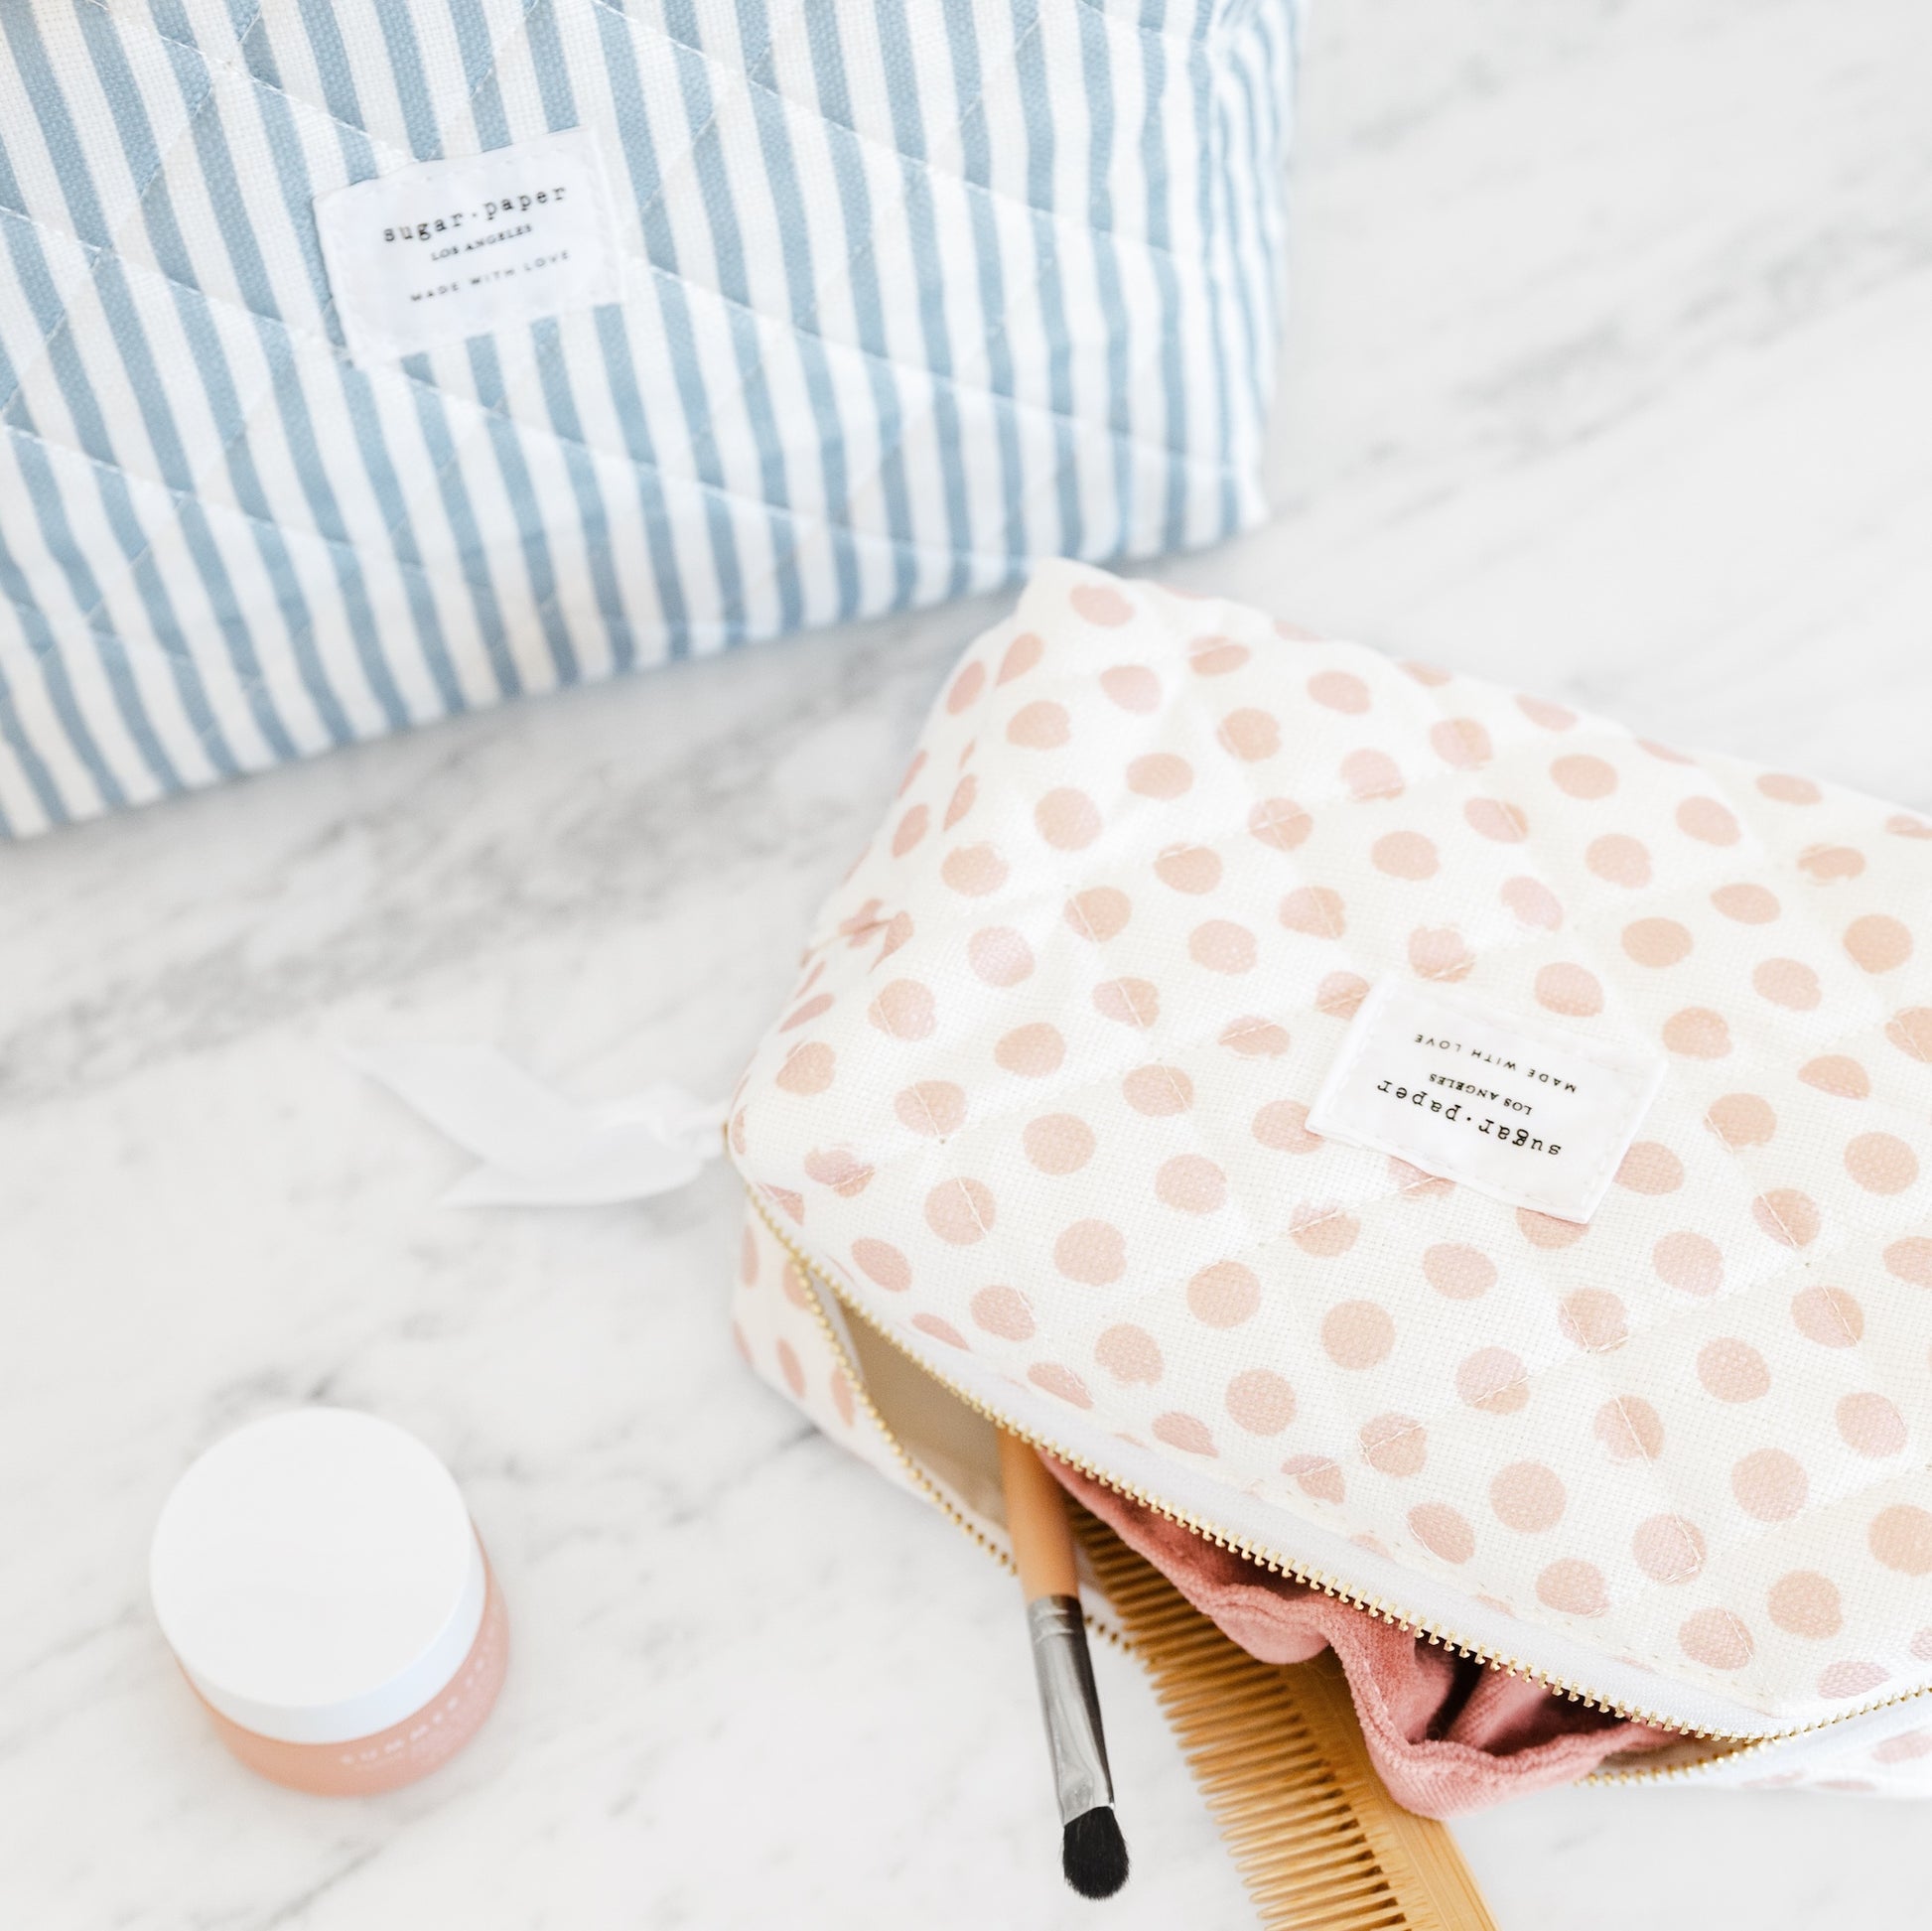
x=1093 y=1853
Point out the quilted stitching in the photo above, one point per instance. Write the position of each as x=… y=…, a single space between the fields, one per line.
x=1695 y=1434
x=711 y=495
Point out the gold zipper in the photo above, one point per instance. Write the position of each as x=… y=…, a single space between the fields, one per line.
x=811 y=1276
x=1272 y=1561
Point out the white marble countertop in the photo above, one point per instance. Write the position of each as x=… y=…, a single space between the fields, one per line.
x=1610 y=376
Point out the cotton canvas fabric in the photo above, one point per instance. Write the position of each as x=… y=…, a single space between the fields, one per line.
x=1040 y=1096
x=911 y=295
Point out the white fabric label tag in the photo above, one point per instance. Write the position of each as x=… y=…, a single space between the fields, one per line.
x=446 y=249
x=1532 y=1114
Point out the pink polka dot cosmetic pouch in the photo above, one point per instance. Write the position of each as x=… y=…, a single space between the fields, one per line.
x=1404 y=1150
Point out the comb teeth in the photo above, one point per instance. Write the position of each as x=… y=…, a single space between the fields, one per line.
x=1280 y=1758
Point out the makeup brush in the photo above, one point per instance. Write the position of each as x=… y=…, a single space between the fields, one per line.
x=1093 y=1853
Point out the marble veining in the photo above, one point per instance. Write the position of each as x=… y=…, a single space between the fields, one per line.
x=1606 y=376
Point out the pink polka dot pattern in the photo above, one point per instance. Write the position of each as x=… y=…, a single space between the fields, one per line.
x=1220 y=945
x=1789 y=1217
x=1462 y=743
x=1159 y=774
x=1404 y=854
x=1251 y=736
x=1594 y=1319
x=1284 y=1126
x=960 y=1213
x=974 y=870
x=1057 y=1379
x=1692 y=1263
x=1004 y=1312
x=1000 y=956
x=1583 y=776
x=1023 y=654
x=1339 y=690
x=1732 y=1370
x=1572 y=990
x=965 y=793
x=1067 y=819
x=1261 y=1400
x=1093 y=1252
x=1439 y=953
x=1747 y=904
x=1881 y=1162
x=1224 y=1294
x=1708 y=821
x=1870 y=1426
x=1371 y=775
x=1443 y=1531
x=1314 y=910
x=1574 y=1588
x=966 y=688
x=1657 y=942
x=1551 y=717
x=1101 y=603
x=880 y=1261
x=1742 y=1119
x=1879 y=942
x=1911 y=1033
x=1357 y=1335
x=1715 y=1638
x=1216 y=656
x=1618 y=859
x=1770 y=1484
x=1032 y=1052
x=1058 y=1142
x=1806 y=1604
x=1668 y=1549
x=1134 y=687
x=1630 y=1430
x=904 y=1009
x=807 y=1068
x=1911 y=1260
x=1825 y=863
x=1128 y=1353
x=1828 y=1315
x=1458 y=1271
x=1044 y=726
x=1902 y=1539
x=1039 y=1097
x=1128 y=1001
x=1493 y=1379
x=1527 y=1498
x=1254 y=1037
x=1788 y=982
x=1533 y=904
x=1191 y=1183
x=1188 y=1432
x=1497 y=820
x=1698 y=1033
x=1280 y=823
x=1100 y=913
x=1157 y=1091
x=1834 y=1072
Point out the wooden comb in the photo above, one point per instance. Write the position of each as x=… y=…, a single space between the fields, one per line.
x=1280 y=1758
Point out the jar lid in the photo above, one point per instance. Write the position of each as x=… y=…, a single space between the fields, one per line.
x=316 y=1575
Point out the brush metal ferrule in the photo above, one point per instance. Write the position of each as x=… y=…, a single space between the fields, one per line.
x=1071 y=1705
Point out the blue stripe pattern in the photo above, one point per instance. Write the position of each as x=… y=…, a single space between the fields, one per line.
x=911 y=295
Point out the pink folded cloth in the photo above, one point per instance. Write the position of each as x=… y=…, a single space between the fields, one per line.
x=1446 y=1734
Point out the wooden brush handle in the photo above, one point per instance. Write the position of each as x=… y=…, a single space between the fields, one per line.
x=1037 y=1522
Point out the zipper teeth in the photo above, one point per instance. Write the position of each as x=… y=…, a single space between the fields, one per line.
x=1269 y=1560
x=813 y=1278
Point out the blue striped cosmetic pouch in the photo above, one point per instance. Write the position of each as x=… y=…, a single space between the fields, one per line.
x=367 y=362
